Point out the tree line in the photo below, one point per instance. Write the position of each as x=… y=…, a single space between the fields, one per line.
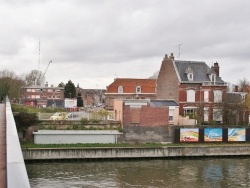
x=11 y=84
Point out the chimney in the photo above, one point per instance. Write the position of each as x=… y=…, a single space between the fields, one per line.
x=166 y=57
x=216 y=68
x=236 y=88
x=171 y=56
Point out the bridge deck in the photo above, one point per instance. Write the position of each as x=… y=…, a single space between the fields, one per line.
x=2 y=146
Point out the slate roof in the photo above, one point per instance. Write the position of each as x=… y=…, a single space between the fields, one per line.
x=160 y=103
x=201 y=71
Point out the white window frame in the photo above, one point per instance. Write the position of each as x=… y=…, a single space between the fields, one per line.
x=206 y=96
x=217 y=96
x=217 y=116
x=138 y=89
x=206 y=114
x=120 y=89
x=190 y=95
x=190 y=76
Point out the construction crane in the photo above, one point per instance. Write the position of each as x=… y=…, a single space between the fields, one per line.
x=46 y=69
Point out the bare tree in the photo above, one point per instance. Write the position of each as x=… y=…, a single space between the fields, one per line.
x=35 y=77
x=155 y=75
x=243 y=83
x=10 y=85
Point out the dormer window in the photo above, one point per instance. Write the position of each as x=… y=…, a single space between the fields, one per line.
x=120 y=89
x=213 y=78
x=190 y=77
x=138 y=89
x=190 y=73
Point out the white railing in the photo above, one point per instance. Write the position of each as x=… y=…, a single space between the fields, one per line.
x=16 y=170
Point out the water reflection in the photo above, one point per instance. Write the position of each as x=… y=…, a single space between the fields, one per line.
x=146 y=173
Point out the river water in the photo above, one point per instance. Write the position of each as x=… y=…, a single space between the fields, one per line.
x=178 y=173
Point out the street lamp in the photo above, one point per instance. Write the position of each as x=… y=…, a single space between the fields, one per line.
x=70 y=95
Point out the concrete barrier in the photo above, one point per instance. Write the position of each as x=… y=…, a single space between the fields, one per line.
x=16 y=170
x=75 y=136
x=147 y=152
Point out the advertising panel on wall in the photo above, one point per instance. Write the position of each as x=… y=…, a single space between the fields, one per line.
x=189 y=135
x=213 y=134
x=236 y=134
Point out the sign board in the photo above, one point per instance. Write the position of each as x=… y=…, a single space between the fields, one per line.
x=70 y=103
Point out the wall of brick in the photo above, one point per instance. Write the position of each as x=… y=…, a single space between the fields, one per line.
x=144 y=134
x=145 y=116
x=167 y=82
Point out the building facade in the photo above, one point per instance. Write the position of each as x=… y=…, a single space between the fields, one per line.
x=198 y=88
x=129 y=88
x=43 y=96
x=146 y=112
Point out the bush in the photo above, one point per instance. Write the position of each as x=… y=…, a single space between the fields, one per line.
x=95 y=120
x=84 y=121
x=24 y=120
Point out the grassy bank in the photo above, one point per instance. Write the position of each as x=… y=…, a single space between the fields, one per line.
x=25 y=145
x=32 y=145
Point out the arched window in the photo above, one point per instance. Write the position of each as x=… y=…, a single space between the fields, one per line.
x=190 y=95
x=120 y=89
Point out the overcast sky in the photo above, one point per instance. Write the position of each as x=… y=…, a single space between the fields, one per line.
x=91 y=42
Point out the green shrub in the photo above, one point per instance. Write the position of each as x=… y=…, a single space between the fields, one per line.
x=84 y=121
x=95 y=120
x=24 y=120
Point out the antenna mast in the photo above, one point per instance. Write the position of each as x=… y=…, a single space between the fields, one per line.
x=39 y=55
x=179 y=54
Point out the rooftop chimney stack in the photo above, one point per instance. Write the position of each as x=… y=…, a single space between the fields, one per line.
x=171 y=56
x=216 y=68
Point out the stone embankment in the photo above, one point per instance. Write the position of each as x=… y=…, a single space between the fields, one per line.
x=131 y=152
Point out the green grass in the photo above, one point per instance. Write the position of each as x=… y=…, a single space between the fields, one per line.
x=31 y=109
x=26 y=145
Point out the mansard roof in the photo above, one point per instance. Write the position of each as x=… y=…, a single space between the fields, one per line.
x=201 y=71
x=129 y=85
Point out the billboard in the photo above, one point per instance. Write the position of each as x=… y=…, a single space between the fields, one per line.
x=189 y=135
x=70 y=103
x=236 y=134
x=213 y=134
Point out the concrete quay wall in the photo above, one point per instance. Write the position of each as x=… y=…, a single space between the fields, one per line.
x=119 y=153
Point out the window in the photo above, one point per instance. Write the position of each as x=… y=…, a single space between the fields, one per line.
x=206 y=96
x=206 y=114
x=171 y=115
x=190 y=95
x=138 y=89
x=120 y=89
x=190 y=76
x=190 y=112
x=217 y=96
x=29 y=90
x=217 y=115
x=213 y=77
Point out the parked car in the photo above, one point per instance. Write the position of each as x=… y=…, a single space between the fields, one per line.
x=71 y=116
x=59 y=116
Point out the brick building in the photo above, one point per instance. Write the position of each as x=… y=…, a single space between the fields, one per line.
x=129 y=88
x=196 y=87
x=91 y=97
x=43 y=96
x=146 y=112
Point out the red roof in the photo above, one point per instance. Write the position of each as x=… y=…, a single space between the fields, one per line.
x=129 y=85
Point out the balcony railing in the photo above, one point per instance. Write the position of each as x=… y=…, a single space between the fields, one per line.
x=208 y=83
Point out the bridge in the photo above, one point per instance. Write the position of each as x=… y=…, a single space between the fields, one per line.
x=13 y=172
